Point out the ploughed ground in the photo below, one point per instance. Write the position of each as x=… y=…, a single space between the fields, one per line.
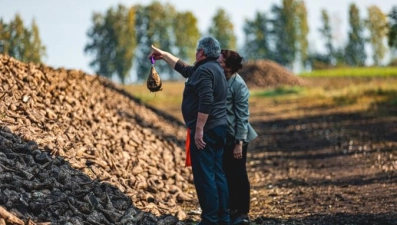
x=322 y=162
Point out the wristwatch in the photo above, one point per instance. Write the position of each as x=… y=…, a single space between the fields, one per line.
x=238 y=142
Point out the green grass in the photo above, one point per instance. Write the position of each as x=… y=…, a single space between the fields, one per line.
x=354 y=72
x=279 y=91
x=346 y=94
x=170 y=94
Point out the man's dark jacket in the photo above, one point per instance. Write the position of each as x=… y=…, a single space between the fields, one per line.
x=205 y=91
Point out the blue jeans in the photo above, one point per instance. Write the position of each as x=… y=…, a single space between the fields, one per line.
x=209 y=178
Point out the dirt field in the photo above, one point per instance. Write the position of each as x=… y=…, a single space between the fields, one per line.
x=321 y=159
x=316 y=163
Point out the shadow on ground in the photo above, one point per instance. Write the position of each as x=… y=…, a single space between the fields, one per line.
x=334 y=169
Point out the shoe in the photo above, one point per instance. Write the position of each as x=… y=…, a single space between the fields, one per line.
x=243 y=219
x=233 y=214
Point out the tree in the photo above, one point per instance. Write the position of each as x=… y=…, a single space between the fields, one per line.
x=164 y=27
x=302 y=29
x=355 y=49
x=392 y=34
x=19 y=42
x=326 y=32
x=257 y=38
x=4 y=38
x=284 y=32
x=122 y=37
x=37 y=49
x=112 y=42
x=99 y=47
x=17 y=38
x=340 y=57
x=124 y=28
x=186 y=40
x=154 y=26
x=377 y=26
x=223 y=30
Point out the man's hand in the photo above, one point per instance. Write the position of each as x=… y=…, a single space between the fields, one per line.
x=198 y=139
x=156 y=53
x=198 y=136
x=166 y=56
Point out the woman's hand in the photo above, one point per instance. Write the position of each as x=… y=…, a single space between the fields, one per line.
x=238 y=151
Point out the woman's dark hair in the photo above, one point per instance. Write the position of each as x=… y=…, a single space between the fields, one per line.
x=233 y=60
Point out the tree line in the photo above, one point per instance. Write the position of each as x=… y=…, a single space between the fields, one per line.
x=21 y=42
x=120 y=37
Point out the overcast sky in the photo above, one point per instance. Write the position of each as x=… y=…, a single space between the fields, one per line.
x=63 y=24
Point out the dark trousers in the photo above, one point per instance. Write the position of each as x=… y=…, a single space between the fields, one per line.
x=209 y=178
x=237 y=178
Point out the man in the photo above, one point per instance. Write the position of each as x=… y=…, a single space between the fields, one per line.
x=204 y=113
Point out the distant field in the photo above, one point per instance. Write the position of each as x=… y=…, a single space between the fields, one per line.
x=168 y=100
x=346 y=93
x=354 y=72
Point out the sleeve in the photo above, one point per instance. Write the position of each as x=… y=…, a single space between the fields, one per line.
x=184 y=69
x=241 y=109
x=205 y=90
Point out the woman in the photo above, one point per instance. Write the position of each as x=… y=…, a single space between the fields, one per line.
x=239 y=134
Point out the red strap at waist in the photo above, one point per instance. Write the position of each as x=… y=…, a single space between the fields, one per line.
x=188 y=161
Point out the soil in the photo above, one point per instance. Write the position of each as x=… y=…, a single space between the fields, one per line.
x=314 y=164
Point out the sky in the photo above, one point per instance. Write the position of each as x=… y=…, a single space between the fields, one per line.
x=63 y=25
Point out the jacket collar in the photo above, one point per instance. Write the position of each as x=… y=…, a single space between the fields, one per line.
x=204 y=61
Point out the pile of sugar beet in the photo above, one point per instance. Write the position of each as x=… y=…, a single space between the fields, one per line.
x=77 y=149
x=268 y=74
